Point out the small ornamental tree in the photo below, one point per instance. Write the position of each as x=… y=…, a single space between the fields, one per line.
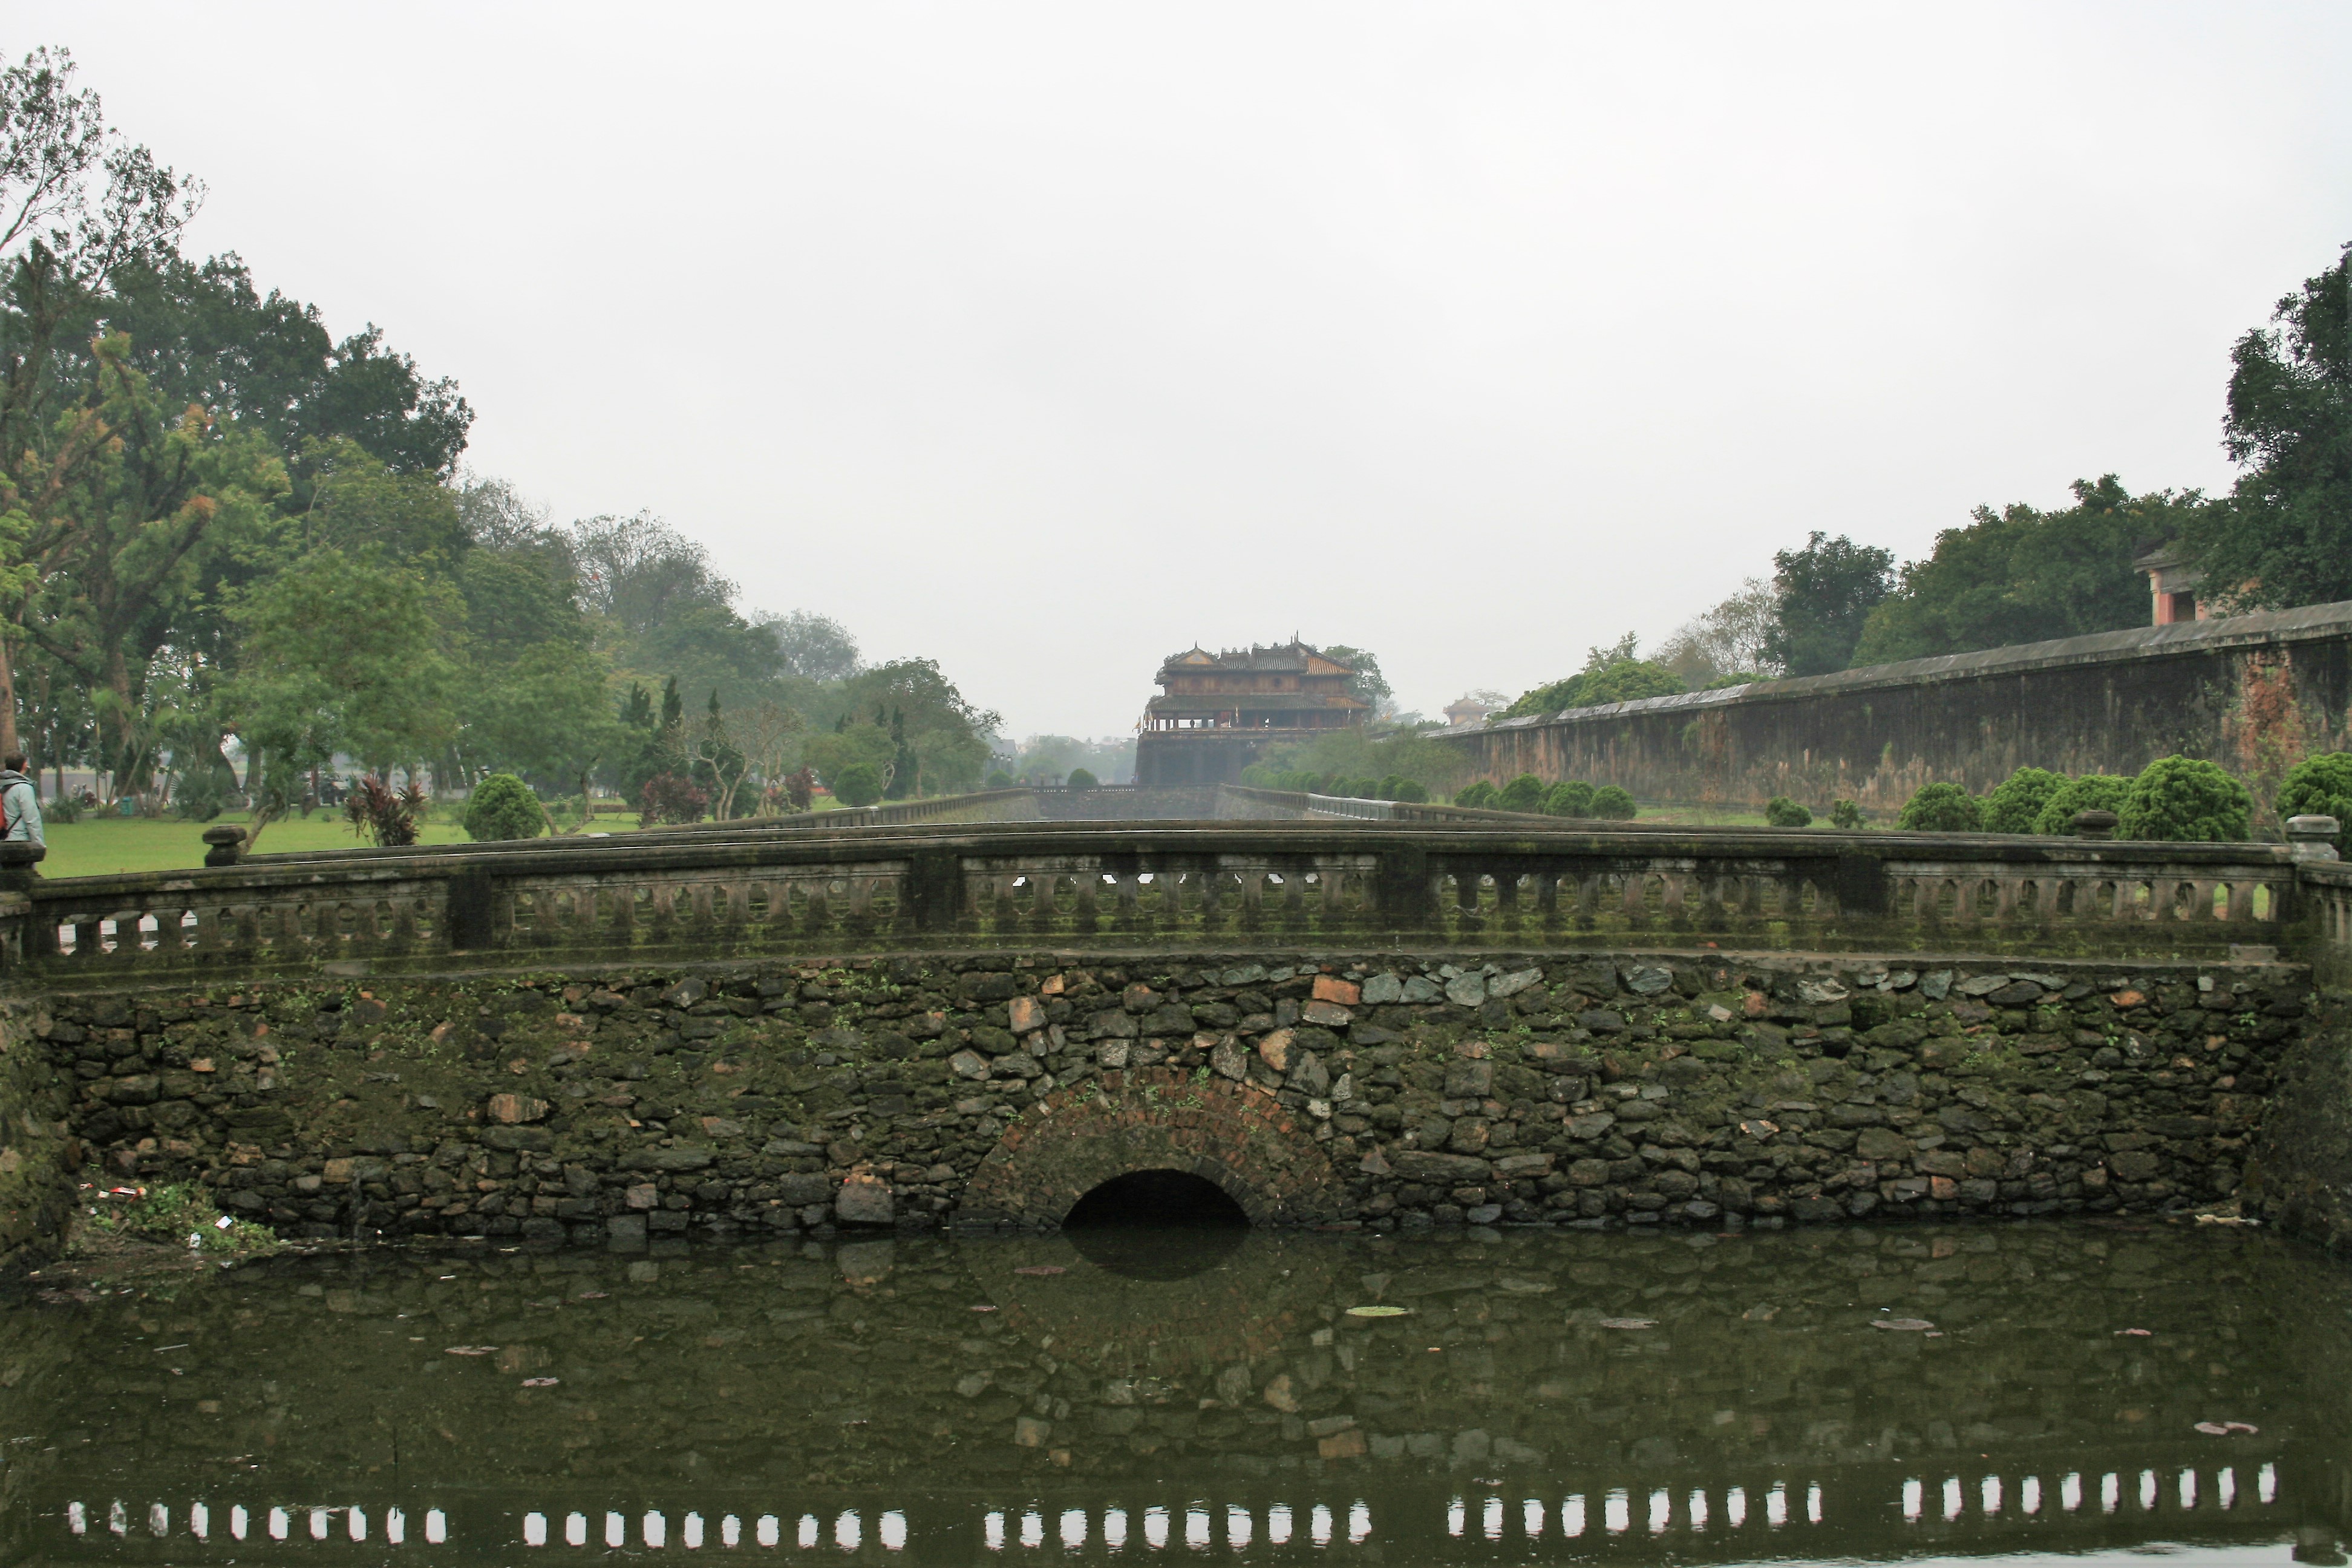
x=502 y=806
x=1479 y=795
x=2319 y=786
x=1524 y=792
x=1081 y=779
x=390 y=816
x=2015 y=803
x=1000 y=779
x=2091 y=792
x=671 y=797
x=1942 y=808
x=1388 y=789
x=1613 y=804
x=1846 y=815
x=1782 y=812
x=1411 y=789
x=859 y=784
x=2186 y=800
x=1570 y=797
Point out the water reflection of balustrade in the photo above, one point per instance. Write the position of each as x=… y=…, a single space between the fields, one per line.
x=1821 y=1513
x=1015 y=883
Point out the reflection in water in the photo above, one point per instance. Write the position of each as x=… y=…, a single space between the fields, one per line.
x=2068 y=1388
x=1157 y=1225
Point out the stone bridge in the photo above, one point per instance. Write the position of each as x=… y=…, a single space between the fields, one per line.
x=968 y=1012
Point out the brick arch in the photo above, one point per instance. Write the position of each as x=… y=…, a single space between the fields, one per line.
x=1153 y=1119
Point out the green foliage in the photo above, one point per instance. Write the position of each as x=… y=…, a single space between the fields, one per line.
x=1942 y=808
x=2284 y=535
x=1524 y=792
x=1846 y=816
x=1000 y=779
x=1782 y=812
x=182 y=1215
x=1411 y=790
x=1825 y=592
x=860 y=783
x=1367 y=685
x=2091 y=792
x=1081 y=779
x=390 y=816
x=2023 y=575
x=503 y=807
x=2319 y=786
x=1366 y=751
x=1613 y=804
x=1609 y=675
x=1571 y=797
x=2016 y=802
x=1480 y=796
x=1388 y=787
x=2186 y=800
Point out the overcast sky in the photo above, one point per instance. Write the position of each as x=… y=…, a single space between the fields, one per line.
x=1046 y=341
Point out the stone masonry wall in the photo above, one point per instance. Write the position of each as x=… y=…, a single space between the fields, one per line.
x=1594 y=1090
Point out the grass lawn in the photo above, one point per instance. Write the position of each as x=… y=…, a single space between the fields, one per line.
x=97 y=845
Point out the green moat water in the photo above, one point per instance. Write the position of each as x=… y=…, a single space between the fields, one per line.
x=1906 y=1393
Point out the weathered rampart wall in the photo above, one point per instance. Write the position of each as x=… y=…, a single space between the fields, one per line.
x=1626 y=1089
x=2106 y=704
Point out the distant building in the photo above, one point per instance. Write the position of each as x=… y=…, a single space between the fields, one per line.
x=1216 y=714
x=1467 y=713
x=2172 y=584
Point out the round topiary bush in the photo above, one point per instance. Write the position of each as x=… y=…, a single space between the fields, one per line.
x=1081 y=779
x=2184 y=800
x=859 y=784
x=1481 y=796
x=1524 y=792
x=1942 y=808
x=2015 y=803
x=1570 y=797
x=1000 y=779
x=2091 y=792
x=1389 y=785
x=1411 y=789
x=2319 y=786
x=1613 y=804
x=1846 y=815
x=502 y=806
x=1782 y=812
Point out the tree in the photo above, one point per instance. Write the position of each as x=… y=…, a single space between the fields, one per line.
x=1367 y=685
x=860 y=783
x=814 y=646
x=2284 y=535
x=1612 y=674
x=1941 y=808
x=1728 y=639
x=502 y=806
x=1611 y=803
x=2024 y=575
x=1524 y=792
x=2186 y=800
x=945 y=738
x=2090 y=792
x=1571 y=797
x=2016 y=802
x=1782 y=812
x=1824 y=594
x=1081 y=779
x=2319 y=786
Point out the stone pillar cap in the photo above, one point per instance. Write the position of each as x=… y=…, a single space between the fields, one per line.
x=2312 y=837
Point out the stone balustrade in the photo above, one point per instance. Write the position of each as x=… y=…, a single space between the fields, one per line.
x=752 y=889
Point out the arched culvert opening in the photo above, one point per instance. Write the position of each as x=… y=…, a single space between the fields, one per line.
x=1157 y=1225
x=1160 y=1199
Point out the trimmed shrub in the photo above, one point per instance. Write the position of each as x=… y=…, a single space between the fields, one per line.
x=1389 y=786
x=1000 y=779
x=2091 y=792
x=859 y=784
x=1570 y=797
x=671 y=797
x=2015 y=803
x=1081 y=779
x=1611 y=804
x=1361 y=789
x=1942 y=808
x=2319 y=786
x=1524 y=792
x=502 y=806
x=2184 y=800
x=1480 y=796
x=1411 y=789
x=1782 y=812
x=1846 y=815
